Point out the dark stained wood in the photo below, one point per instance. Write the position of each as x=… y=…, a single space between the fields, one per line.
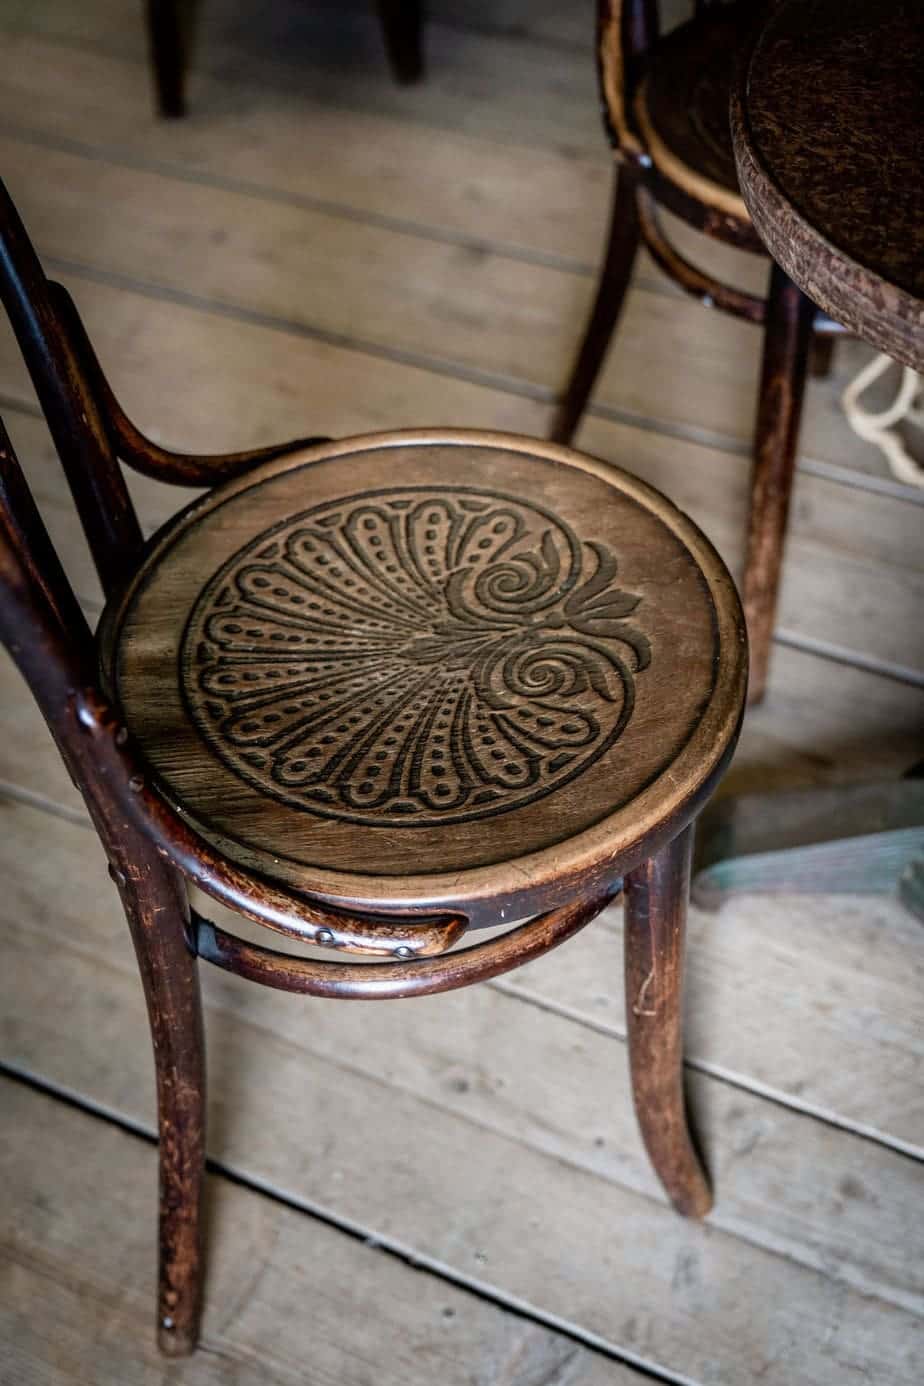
x=821 y=356
x=133 y=448
x=402 y=29
x=666 y=107
x=828 y=125
x=534 y=667
x=682 y=106
x=157 y=910
x=656 y=906
x=784 y=368
x=711 y=292
x=621 y=246
x=41 y=626
x=167 y=43
x=418 y=977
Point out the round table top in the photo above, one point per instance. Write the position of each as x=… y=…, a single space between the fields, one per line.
x=828 y=129
x=430 y=667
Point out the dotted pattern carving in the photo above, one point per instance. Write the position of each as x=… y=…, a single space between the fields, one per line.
x=413 y=657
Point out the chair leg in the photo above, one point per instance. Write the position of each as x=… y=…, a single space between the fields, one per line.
x=402 y=27
x=656 y=910
x=821 y=357
x=611 y=291
x=168 y=58
x=787 y=338
x=157 y=910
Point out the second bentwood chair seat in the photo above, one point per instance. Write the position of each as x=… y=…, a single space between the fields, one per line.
x=666 y=100
x=373 y=695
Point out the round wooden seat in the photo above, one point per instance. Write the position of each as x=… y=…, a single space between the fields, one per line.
x=428 y=668
x=682 y=106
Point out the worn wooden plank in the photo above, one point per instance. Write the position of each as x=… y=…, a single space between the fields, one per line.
x=492 y=190
x=339 y=57
x=416 y=1125
x=468 y=308
x=76 y=1270
x=814 y=1000
x=231 y=384
x=548 y=200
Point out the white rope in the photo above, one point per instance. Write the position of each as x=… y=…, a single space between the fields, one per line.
x=879 y=429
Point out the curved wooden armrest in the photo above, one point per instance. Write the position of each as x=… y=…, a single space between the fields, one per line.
x=131 y=445
x=381 y=981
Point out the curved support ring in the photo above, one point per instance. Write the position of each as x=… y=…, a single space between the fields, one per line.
x=693 y=280
x=420 y=977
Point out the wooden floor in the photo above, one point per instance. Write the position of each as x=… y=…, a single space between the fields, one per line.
x=447 y=1190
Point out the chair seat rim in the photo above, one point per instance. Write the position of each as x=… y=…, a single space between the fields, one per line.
x=522 y=885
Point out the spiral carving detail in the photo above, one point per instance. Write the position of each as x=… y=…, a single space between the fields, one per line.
x=413 y=657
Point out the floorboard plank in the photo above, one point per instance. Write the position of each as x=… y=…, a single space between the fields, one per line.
x=796 y=1277
x=464 y=307
x=81 y=1246
x=233 y=384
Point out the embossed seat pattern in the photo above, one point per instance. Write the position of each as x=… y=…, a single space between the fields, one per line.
x=413 y=655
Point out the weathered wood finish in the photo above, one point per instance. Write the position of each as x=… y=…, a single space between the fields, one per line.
x=463 y=1120
x=156 y=907
x=441 y=569
x=621 y=248
x=655 y=934
x=667 y=111
x=81 y=1262
x=169 y=43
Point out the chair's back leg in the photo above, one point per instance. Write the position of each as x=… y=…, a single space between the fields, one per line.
x=787 y=339
x=47 y=636
x=402 y=28
x=656 y=911
x=620 y=254
x=156 y=906
x=821 y=359
x=167 y=47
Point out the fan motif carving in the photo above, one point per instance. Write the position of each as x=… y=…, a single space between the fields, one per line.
x=413 y=656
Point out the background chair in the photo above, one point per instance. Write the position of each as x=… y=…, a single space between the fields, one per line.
x=666 y=101
x=169 y=27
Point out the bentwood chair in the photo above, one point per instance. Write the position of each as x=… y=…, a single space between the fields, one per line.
x=666 y=101
x=372 y=694
x=168 y=23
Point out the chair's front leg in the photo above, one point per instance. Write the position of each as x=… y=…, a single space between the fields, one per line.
x=656 y=908
x=156 y=906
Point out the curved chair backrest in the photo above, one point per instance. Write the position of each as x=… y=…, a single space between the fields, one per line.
x=626 y=30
